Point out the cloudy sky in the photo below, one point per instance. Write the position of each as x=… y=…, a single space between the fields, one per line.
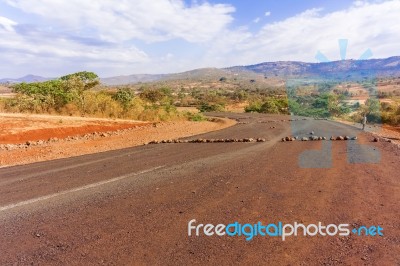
x=55 y=37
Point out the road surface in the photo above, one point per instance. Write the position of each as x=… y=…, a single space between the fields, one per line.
x=133 y=206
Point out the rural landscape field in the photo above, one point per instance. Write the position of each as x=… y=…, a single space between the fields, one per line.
x=199 y=133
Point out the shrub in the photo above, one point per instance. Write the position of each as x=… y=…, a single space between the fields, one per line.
x=124 y=96
x=152 y=95
x=48 y=94
x=195 y=117
x=209 y=107
x=269 y=107
x=254 y=106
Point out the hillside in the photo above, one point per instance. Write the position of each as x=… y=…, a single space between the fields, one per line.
x=131 y=79
x=27 y=78
x=352 y=69
x=379 y=67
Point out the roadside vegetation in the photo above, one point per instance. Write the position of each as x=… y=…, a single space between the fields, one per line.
x=81 y=94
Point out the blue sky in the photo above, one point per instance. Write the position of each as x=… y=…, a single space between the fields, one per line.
x=247 y=11
x=55 y=37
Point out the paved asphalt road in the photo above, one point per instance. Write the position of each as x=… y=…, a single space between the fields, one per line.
x=132 y=206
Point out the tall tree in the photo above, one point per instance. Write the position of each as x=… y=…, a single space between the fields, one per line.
x=78 y=83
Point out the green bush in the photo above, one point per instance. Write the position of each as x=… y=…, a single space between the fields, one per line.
x=269 y=105
x=254 y=106
x=152 y=95
x=210 y=107
x=319 y=105
x=195 y=117
x=124 y=96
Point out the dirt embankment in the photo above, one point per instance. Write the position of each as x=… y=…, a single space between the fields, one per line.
x=27 y=139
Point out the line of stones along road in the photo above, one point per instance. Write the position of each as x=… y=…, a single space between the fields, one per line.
x=247 y=140
x=315 y=138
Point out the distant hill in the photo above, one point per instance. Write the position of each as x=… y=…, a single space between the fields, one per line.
x=202 y=74
x=27 y=78
x=379 y=67
x=131 y=79
x=282 y=69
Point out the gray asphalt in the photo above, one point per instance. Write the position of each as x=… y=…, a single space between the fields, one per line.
x=132 y=206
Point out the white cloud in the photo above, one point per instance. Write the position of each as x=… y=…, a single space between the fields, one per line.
x=359 y=3
x=141 y=19
x=370 y=25
x=7 y=24
x=36 y=51
x=105 y=35
x=267 y=14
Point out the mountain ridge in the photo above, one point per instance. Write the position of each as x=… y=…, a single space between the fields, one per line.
x=381 y=67
x=26 y=78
